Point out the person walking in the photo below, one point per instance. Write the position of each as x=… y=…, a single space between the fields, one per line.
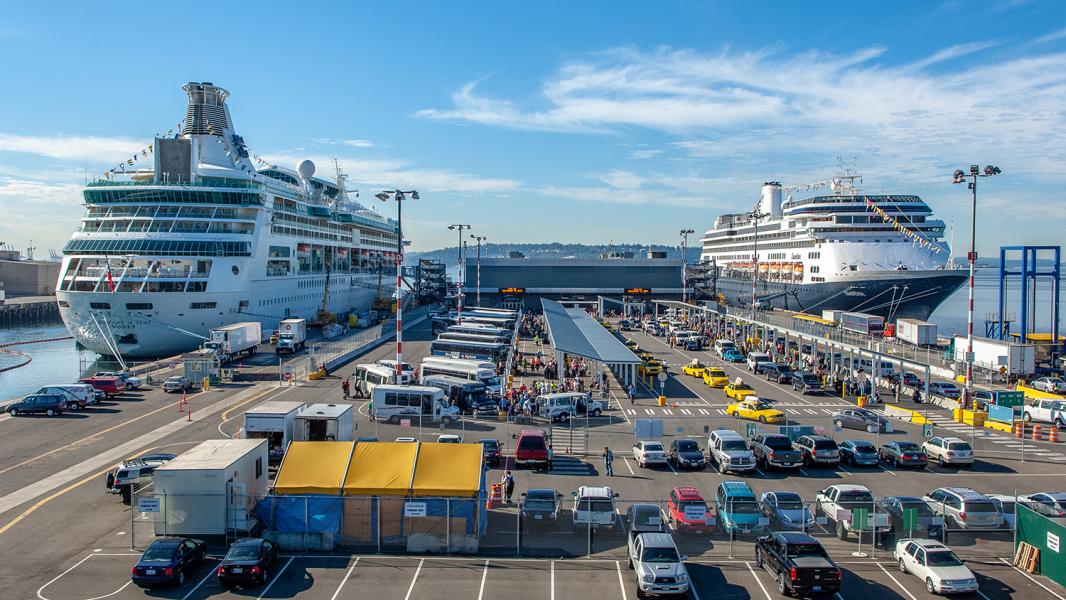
x=632 y=394
x=551 y=455
x=346 y=386
x=508 y=486
x=608 y=461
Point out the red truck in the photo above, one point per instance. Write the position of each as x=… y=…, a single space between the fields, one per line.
x=110 y=386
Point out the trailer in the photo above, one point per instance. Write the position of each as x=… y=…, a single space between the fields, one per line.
x=999 y=355
x=832 y=315
x=212 y=488
x=863 y=323
x=233 y=340
x=324 y=423
x=273 y=421
x=292 y=336
x=915 y=331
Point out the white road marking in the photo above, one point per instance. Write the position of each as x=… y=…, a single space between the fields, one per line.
x=1006 y=562
x=703 y=411
x=276 y=576
x=553 y=580
x=414 y=579
x=626 y=461
x=57 y=577
x=896 y=581
x=758 y=581
x=668 y=411
x=349 y=574
x=686 y=411
x=621 y=583
x=481 y=590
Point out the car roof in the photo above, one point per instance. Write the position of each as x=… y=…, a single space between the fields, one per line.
x=737 y=487
x=248 y=542
x=791 y=537
x=724 y=433
x=903 y=498
x=531 y=432
x=851 y=487
x=965 y=493
x=858 y=442
x=928 y=544
x=688 y=493
x=657 y=540
x=541 y=492
x=595 y=491
x=784 y=494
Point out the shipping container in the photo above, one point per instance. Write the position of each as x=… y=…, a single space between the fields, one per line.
x=832 y=315
x=232 y=340
x=273 y=421
x=324 y=423
x=292 y=335
x=998 y=355
x=917 y=332
x=862 y=323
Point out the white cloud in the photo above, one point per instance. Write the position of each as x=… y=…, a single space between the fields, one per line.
x=72 y=147
x=359 y=143
x=644 y=154
x=1051 y=37
x=953 y=52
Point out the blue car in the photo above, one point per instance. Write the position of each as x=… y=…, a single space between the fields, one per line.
x=166 y=561
x=856 y=453
x=733 y=356
x=738 y=509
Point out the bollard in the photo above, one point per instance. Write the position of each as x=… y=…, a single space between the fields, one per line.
x=1037 y=431
x=189 y=414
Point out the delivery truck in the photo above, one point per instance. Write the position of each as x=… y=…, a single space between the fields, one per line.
x=234 y=340
x=324 y=423
x=862 y=323
x=292 y=336
x=273 y=421
x=915 y=331
x=998 y=355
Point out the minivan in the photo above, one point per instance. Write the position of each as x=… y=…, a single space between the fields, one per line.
x=531 y=448
x=368 y=377
x=594 y=507
x=720 y=346
x=963 y=508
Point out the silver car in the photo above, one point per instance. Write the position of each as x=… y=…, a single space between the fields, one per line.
x=860 y=418
x=177 y=383
x=963 y=508
x=786 y=511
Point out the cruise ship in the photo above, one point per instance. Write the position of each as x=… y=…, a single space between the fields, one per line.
x=845 y=250
x=200 y=237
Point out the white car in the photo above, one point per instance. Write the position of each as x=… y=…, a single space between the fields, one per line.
x=946 y=389
x=449 y=438
x=941 y=569
x=1049 y=504
x=949 y=451
x=1052 y=385
x=405 y=440
x=649 y=453
x=1005 y=505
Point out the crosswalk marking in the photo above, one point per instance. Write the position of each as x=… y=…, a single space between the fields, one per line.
x=668 y=411
x=792 y=411
x=703 y=411
x=720 y=411
x=809 y=411
x=631 y=411
x=686 y=411
x=649 y=411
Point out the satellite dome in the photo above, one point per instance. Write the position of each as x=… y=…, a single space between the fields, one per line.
x=306 y=169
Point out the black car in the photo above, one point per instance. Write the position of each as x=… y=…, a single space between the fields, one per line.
x=167 y=561
x=804 y=382
x=686 y=454
x=491 y=450
x=540 y=506
x=248 y=561
x=925 y=523
x=47 y=404
x=799 y=563
x=779 y=372
x=903 y=454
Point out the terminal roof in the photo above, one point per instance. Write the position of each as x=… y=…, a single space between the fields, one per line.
x=574 y=332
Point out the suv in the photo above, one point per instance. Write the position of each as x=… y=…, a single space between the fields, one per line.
x=594 y=507
x=963 y=508
x=775 y=450
x=779 y=372
x=177 y=383
x=757 y=361
x=817 y=450
x=135 y=473
x=564 y=406
x=738 y=508
x=49 y=404
x=804 y=382
x=531 y=448
x=687 y=511
x=110 y=386
x=949 y=451
x=720 y=346
x=659 y=567
x=730 y=452
x=77 y=395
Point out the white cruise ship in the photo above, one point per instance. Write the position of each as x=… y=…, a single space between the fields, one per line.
x=204 y=239
x=881 y=254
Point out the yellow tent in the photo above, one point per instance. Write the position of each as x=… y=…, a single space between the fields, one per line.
x=314 y=468
x=381 y=468
x=447 y=470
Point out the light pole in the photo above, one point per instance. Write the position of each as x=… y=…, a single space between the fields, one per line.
x=960 y=177
x=459 y=279
x=755 y=216
x=399 y=195
x=684 y=263
x=478 y=239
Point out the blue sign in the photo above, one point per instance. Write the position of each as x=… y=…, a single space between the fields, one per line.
x=148 y=505
x=1001 y=414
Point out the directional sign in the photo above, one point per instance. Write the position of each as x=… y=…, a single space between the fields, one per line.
x=927 y=430
x=859 y=517
x=148 y=505
x=910 y=519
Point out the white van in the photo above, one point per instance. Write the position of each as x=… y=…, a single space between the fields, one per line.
x=867 y=366
x=720 y=346
x=594 y=507
x=392 y=403
x=368 y=377
x=77 y=395
x=564 y=406
x=406 y=368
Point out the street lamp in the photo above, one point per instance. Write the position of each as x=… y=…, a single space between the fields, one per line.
x=960 y=177
x=684 y=263
x=755 y=216
x=478 y=239
x=384 y=197
x=459 y=279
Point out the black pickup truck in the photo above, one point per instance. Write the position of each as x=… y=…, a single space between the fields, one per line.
x=799 y=564
x=775 y=450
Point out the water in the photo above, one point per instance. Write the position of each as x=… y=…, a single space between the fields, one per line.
x=950 y=317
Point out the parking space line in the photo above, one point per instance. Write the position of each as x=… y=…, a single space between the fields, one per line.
x=275 y=578
x=349 y=574
x=758 y=581
x=210 y=572
x=1007 y=562
x=484 y=575
x=57 y=577
x=553 y=580
x=631 y=471
x=621 y=582
x=411 y=588
x=896 y=581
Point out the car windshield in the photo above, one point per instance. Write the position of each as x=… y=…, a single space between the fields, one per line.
x=959 y=446
x=688 y=446
x=716 y=373
x=943 y=558
x=783 y=368
x=761 y=406
x=908 y=446
x=647 y=517
x=789 y=503
x=744 y=507
x=490 y=444
x=596 y=505
x=653 y=447
x=540 y=504
x=174 y=380
x=734 y=445
x=855 y=498
x=778 y=443
x=243 y=552
x=864 y=447
x=696 y=365
x=811 y=379
x=158 y=553
x=660 y=555
x=798 y=550
x=922 y=508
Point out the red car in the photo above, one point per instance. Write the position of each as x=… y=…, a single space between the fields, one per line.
x=110 y=386
x=688 y=511
x=532 y=448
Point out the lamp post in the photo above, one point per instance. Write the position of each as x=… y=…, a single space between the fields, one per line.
x=960 y=177
x=684 y=263
x=755 y=216
x=478 y=239
x=384 y=197
x=459 y=279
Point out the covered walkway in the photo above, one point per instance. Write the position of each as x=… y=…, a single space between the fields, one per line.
x=572 y=331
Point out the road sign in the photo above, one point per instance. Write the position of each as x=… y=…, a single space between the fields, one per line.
x=910 y=519
x=414 y=509
x=286 y=373
x=927 y=430
x=663 y=377
x=1010 y=398
x=148 y=505
x=752 y=430
x=859 y=518
x=405 y=422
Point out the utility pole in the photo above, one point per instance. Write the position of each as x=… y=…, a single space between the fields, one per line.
x=755 y=215
x=459 y=278
x=399 y=195
x=478 y=239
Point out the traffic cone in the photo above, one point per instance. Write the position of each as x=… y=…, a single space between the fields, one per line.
x=1037 y=432
x=1019 y=430
x=1053 y=434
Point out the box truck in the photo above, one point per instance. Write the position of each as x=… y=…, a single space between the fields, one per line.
x=998 y=355
x=272 y=421
x=915 y=331
x=862 y=323
x=233 y=340
x=292 y=336
x=324 y=423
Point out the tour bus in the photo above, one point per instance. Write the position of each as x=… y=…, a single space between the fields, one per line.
x=506 y=312
x=461 y=349
x=505 y=322
x=473 y=337
x=367 y=377
x=469 y=396
x=470 y=370
x=393 y=403
x=481 y=329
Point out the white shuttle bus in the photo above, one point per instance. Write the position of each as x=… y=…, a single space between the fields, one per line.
x=393 y=403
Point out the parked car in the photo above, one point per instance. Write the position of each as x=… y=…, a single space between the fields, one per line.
x=779 y=372
x=949 y=451
x=903 y=453
x=110 y=386
x=167 y=561
x=686 y=510
x=1049 y=504
x=946 y=389
x=44 y=404
x=786 y=511
x=247 y=561
x=733 y=355
x=860 y=418
x=858 y=453
x=177 y=383
x=449 y=438
x=909 y=379
x=775 y=450
x=132 y=382
x=817 y=450
x=754 y=409
x=492 y=451
x=806 y=382
x=1052 y=385
x=1006 y=505
x=77 y=395
x=135 y=473
x=686 y=454
x=540 y=505
x=649 y=453
x=594 y=507
x=799 y=563
x=738 y=508
x=720 y=347
x=963 y=508
x=531 y=448
x=730 y=452
x=659 y=567
x=644 y=518
x=941 y=569
x=925 y=522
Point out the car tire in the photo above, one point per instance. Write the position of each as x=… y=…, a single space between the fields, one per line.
x=629 y=562
x=902 y=566
x=762 y=420
x=758 y=558
x=1028 y=418
x=842 y=534
x=782 y=587
x=181 y=576
x=929 y=587
x=940 y=461
x=839 y=423
x=596 y=413
x=871 y=429
x=50 y=412
x=13 y=412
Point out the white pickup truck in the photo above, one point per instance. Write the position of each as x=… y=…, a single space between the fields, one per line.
x=838 y=503
x=1046 y=410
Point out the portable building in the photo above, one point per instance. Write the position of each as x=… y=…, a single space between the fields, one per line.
x=915 y=331
x=324 y=423
x=273 y=421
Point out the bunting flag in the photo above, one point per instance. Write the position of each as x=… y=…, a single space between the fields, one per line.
x=110 y=281
x=912 y=235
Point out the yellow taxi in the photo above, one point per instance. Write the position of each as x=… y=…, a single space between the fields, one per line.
x=651 y=366
x=645 y=355
x=694 y=368
x=756 y=410
x=715 y=377
x=632 y=345
x=737 y=390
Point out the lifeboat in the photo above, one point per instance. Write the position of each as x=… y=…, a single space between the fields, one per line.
x=797 y=271
x=774 y=270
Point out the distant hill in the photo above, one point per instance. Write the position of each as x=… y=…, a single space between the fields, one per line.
x=552 y=250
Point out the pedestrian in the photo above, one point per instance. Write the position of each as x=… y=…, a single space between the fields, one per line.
x=346 y=385
x=551 y=455
x=608 y=461
x=917 y=396
x=508 y=486
x=632 y=391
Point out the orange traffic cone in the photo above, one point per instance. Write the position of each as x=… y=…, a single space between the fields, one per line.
x=1037 y=432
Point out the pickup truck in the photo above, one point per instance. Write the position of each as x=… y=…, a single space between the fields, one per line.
x=799 y=563
x=1046 y=410
x=775 y=450
x=659 y=567
x=837 y=502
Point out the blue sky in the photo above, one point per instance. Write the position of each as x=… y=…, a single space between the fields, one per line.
x=568 y=121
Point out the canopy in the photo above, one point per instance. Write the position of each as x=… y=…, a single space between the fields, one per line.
x=576 y=333
x=448 y=470
x=314 y=468
x=381 y=468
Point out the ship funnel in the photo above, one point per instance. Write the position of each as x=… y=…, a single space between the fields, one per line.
x=770 y=202
x=207 y=113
